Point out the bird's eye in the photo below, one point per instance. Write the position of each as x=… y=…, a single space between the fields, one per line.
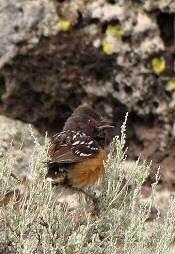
x=91 y=121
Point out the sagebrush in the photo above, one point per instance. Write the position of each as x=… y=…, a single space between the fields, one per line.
x=38 y=223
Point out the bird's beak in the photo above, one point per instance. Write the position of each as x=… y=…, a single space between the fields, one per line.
x=105 y=124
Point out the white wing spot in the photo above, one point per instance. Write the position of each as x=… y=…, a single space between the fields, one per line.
x=76 y=143
x=90 y=142
x=57 y=135
x=94 y=148
x=85 y=154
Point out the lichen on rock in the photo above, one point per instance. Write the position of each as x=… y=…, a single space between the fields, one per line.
x=48 y=67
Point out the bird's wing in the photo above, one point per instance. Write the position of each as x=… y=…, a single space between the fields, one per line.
x=70 y=147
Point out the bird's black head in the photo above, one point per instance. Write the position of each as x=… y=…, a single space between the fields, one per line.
x=90 y=122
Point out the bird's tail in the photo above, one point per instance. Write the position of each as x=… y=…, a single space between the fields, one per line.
x=56 y=173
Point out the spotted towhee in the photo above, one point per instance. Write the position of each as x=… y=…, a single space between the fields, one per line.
x=77 y=153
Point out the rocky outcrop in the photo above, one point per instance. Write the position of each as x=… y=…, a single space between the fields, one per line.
x=17 y=144
x=115 y=56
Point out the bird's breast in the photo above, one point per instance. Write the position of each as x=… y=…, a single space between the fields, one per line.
x=88 y=171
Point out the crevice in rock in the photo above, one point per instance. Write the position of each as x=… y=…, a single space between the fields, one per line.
x=166 y=23
x=2 y=88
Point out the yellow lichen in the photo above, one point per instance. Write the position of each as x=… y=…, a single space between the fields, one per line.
x=115 y=31
x=159 y=65
x=107 y=48
x=65 y=25
x=5 y=96
x=171 y=81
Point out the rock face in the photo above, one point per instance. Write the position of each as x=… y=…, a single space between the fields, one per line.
x=17 y=144
x=115 y=56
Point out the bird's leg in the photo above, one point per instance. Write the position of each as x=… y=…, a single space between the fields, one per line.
x=95 y=202
x=93 y=198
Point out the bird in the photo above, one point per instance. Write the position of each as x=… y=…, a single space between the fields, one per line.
x=77 y=153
